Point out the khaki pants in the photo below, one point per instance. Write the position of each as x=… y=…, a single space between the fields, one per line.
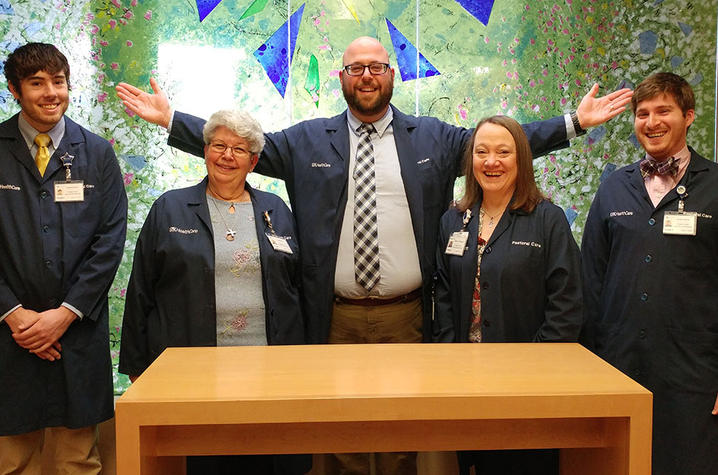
x=75 y=452
x=392 y=323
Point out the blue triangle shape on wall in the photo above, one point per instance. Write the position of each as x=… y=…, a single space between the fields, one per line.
x=272 y=55
x=204 y=7
x=479 y=9
x=6 y=8
x=405 y=53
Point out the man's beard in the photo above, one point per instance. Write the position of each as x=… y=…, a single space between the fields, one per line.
x=369 y=109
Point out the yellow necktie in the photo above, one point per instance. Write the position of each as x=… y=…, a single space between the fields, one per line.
x=43 y=153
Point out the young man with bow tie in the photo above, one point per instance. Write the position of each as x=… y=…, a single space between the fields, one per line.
x=650 y=274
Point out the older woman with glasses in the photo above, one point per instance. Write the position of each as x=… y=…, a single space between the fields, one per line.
x=202 y=267
x=508 y=268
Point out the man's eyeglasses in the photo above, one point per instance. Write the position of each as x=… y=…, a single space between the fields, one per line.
x=220 y=148
x=358 y=69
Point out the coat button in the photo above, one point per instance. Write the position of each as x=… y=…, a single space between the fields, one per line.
x=48 y=262
x=45 y=229
x=485 y=285
x=644 y=297
x=642 y=334
x=487 y=250
x=44 y=194
x=651 y=222
x=648 y=258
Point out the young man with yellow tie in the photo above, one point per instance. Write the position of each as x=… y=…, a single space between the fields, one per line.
x=62 y=232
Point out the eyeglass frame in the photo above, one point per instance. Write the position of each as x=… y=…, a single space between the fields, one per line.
x=365 y=67
x=237 y=152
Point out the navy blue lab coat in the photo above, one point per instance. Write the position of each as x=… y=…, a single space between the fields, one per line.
x=53 y=253
x=651 y=307
x=312 y=157
x=530 y=279
x=171 y=294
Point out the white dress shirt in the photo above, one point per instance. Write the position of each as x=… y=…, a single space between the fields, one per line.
x=398 y=256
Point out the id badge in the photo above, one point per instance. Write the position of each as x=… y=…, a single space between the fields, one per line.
x=69 y=191
x=681 y=224
x=279 y=243
x=457 y=243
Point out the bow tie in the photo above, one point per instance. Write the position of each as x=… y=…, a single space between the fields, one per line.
x=651 y=166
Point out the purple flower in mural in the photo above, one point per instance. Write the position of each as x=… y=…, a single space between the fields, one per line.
x=114 y=66
x=102 y=97
x=117 y=3
x=128 y=178
x=462 y=112
x=129 y=43
x=148 y=15
x=94 y=29
x=113 y=24
x=128 y=14
x=133 y=3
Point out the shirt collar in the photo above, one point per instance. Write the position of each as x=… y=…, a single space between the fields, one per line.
x=380 y=125
x=683 y=156
x=29 y=132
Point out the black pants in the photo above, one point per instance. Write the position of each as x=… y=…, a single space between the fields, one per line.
x=249 y=465
x=509 y=462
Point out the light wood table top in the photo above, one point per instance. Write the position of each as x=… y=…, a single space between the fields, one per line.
x=361 y=384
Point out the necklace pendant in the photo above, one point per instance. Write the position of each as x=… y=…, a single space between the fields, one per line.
x=229 y=235
x=231 y=208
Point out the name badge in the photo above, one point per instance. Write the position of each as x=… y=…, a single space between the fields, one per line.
x=69 y=191
x=457 y=243
x=681 y=224
x=279 y=243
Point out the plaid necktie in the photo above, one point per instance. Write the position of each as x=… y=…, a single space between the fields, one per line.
x=366 y=235
x=651 y=166
x=42 y=157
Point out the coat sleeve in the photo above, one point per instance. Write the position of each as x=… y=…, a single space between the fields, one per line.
x=186 y=135
x=443 y=324
x=562 y=276
x=594 y=254
x=546 y=136
x=140 y=300
x=8 y=300
x=97 y=269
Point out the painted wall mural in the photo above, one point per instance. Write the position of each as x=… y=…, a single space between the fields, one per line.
x=458 y=60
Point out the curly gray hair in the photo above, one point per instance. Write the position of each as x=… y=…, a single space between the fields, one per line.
x=239 y=122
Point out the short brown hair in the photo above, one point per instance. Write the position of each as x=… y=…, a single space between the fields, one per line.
x=33 y=57
x=665 y=83
x=526 y=194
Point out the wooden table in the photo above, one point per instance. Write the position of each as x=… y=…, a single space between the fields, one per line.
x=377 y=398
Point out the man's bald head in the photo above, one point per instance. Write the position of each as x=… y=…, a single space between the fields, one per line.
x=367 y=94
x=365 y=47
